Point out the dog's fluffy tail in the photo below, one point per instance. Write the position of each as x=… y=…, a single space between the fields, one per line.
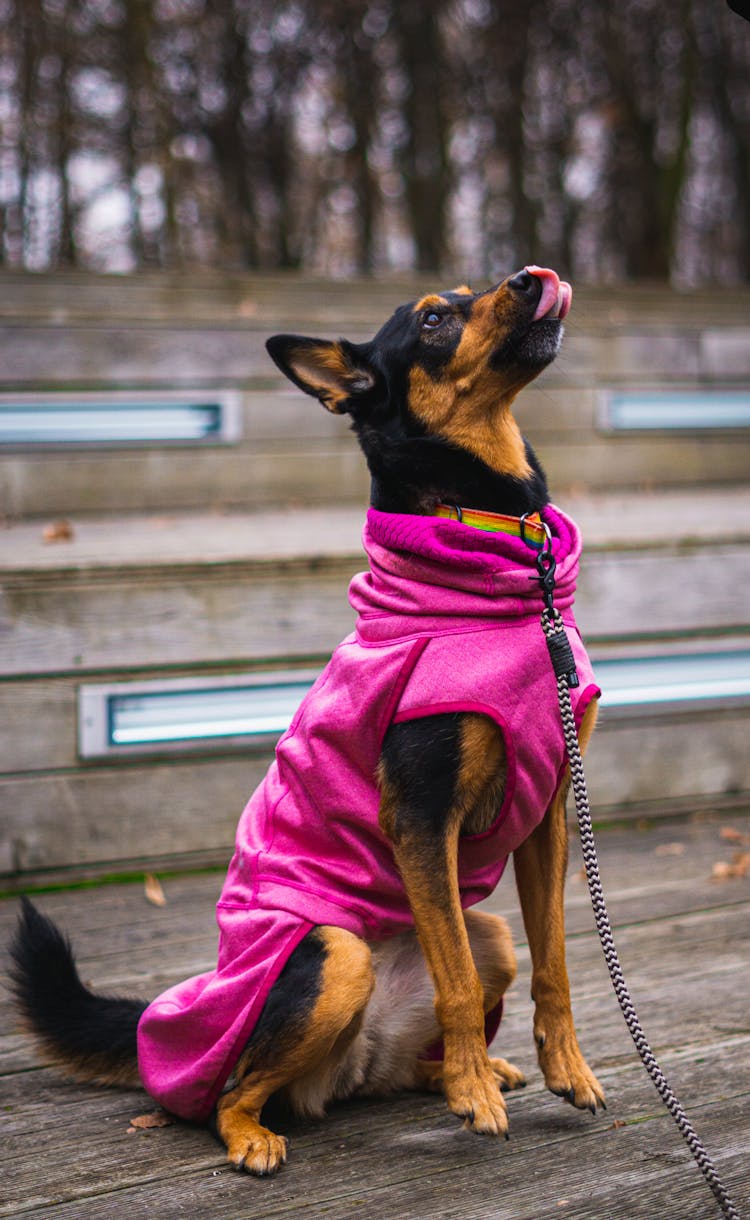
x=88 y=1036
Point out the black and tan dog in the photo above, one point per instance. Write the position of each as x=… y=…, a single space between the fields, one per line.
x=430 y=402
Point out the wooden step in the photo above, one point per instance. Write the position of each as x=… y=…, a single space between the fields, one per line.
x=85 y=334
x=201 y=595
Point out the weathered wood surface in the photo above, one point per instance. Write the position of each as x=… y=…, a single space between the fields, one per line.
x=67 y=296
x=90 y=333
x=139 y=592
x=682 y=938
x=123 y=813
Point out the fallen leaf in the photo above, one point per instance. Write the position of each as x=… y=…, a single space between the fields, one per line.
x=144 y=1122
x=669 y=849
x=737 y=867
x=153 y=891
x=619 y=1122
x=732 y=836
x=58 y=531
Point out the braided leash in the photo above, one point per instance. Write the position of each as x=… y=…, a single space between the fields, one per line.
x=563 y=663
x=564 y=666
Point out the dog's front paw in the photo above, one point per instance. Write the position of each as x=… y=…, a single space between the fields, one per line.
x=257 y=1150
x=565 y=1070
x=476 y=1098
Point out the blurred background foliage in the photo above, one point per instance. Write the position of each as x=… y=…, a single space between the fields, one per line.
x=609 y=139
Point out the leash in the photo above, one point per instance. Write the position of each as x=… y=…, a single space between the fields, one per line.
x=563 y=663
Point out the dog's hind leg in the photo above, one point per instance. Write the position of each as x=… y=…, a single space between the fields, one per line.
x=540 y=866
x=313 y=1012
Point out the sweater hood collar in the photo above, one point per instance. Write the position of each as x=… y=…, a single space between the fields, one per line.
x=424 y=570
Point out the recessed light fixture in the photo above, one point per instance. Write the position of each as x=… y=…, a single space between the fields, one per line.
x=243 y=711
x=183 y=713
x=673 y=410
x=119 y=419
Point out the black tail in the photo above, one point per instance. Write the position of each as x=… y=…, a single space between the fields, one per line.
x=89 y=1036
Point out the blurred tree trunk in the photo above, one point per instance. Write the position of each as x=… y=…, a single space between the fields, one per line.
x=67 y=239
x=727 y=92
x=507 y=44
x=423 y=158
x=357 y=71
x=237 y=219
x=645 y=182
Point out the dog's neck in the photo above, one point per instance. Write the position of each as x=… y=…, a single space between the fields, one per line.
x=412 y=476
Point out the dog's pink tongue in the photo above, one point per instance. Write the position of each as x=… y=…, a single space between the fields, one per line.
x=556 y=294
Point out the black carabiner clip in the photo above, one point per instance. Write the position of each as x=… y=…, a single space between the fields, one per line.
x=546 y=566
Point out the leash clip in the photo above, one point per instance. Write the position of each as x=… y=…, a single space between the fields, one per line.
x=558 y=644
x=546 y=566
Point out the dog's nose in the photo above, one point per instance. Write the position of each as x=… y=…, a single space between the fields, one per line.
x=524 y=281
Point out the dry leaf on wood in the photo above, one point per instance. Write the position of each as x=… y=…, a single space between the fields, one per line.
x=738 y=867
x=153 y=891
x=669 y=849
x=144 y=1122
x=733 y=836
x=58 y=531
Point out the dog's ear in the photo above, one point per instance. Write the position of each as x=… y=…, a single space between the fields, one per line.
x=338 y=373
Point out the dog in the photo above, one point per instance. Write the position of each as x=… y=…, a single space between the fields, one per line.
x=428 y=752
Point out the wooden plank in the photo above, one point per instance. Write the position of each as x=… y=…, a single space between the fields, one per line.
x=680 y=758
x=65 y=296
x=323 y=471
x=407 y=1146
x=408 y=1154
x=118 y=815
x=100 y=353
x=609 y=521
x=622 y=593
x=177 y=616
x=725 y=351
x=331 y=470
x=106 y=814
x=57 y=620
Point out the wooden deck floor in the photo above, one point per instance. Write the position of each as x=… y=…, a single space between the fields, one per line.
x=683 y=938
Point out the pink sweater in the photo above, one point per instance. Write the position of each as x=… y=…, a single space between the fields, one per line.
x=448 y=621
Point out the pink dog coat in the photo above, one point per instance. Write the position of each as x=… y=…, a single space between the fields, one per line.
x=448 y=620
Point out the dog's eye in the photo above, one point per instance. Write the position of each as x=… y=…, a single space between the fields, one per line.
x=431 y=320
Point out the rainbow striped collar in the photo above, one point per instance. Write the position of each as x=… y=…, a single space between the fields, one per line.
x=530 y=527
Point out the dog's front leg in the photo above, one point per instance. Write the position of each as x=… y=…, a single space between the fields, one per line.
x=470 y=1085
x=421 y=811
x=540 y=867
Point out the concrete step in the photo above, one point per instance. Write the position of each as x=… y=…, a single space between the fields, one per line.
x=199 y=596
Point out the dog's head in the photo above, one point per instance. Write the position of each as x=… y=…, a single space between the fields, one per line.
x=443 y=370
